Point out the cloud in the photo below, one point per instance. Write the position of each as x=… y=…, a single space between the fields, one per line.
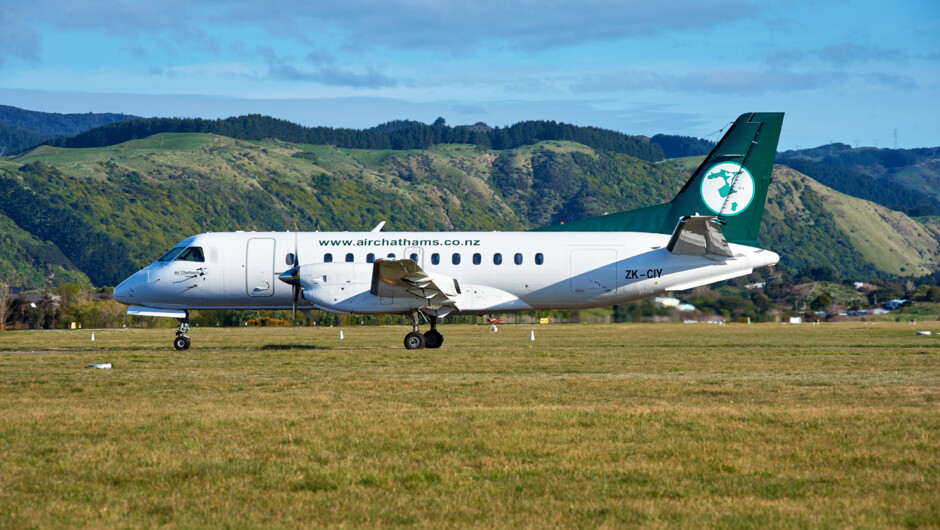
x=281 y=69
x=891 y=81
x=725 y=82
x=17 y=39
x=456 y=28
x=462 y=27
x=171 y=23
x=847 y=53
x=734 y=82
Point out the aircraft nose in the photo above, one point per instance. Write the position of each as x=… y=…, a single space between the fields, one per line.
x=124 y=292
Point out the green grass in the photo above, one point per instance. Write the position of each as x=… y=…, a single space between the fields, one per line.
x=589 y=425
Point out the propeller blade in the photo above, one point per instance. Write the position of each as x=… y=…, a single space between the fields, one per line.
x=296 y=295
x=296 y=266
x=292 y=277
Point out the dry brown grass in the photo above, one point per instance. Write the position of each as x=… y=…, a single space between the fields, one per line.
x=599 y=425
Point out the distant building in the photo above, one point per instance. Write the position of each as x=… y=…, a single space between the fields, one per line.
x=663 y=301
x=894 y=304
x=758 y=285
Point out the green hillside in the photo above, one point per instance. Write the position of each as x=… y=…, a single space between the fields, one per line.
x=812 y=225
x=21 y=129
x=815 y=226
x=105 y=211
x=902 y=179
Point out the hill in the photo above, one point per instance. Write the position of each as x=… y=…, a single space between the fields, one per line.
x=815 y=226
x=109 y=210
x=400 y=135
x=20 y=128
x=130 y=201
x=902 y=179
x=821 y=227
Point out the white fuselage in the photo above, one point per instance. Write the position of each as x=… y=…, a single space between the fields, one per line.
x=496 y=271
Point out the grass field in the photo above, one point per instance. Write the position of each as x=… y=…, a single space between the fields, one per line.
x=589 y=425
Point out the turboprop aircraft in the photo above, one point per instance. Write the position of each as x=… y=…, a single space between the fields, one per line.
x=706 y=234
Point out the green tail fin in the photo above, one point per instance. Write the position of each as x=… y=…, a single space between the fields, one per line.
x=731 y=183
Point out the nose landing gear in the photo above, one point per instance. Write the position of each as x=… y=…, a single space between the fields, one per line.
x=181 y=342
x=430 y=339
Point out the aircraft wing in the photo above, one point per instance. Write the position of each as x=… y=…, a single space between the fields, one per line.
x=699 y=235
x=400 y=278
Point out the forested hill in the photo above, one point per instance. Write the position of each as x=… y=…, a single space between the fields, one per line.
x=680 y=146
x=100 y=213
x=404 y=135
x=906 y=180
x=20 y=128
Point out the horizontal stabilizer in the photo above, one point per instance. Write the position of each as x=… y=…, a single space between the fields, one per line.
x=140 y=311
x=711 y=279
x=699 y=235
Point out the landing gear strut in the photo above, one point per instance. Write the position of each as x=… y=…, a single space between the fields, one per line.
x=433 y=338
x=181 y=342
x=416 y=340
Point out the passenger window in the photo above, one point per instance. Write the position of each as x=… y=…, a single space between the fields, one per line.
x=477 y=259
x=192 y=254
x=391 y=255
x=539 y=259
x=497 y=259
x=171 y=255
x=370 y=258
x=328 y=258
x=517 y=258
x=413 y=257
x=350 y=258
x=435 y=259
x=455 y=259
x=290 y=258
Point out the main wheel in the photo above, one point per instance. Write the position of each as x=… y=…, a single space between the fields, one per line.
x=414 y=341
x=433 y=339
x=181 y=342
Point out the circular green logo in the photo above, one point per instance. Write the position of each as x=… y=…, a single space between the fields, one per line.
x=727 y=188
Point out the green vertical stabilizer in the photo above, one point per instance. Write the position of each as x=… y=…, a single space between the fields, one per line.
x=731 y=183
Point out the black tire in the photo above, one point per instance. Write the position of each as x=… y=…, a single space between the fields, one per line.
x=181 y=342
x=433 y=339
x=414 y=341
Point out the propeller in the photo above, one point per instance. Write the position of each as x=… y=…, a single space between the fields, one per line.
x=292 y=277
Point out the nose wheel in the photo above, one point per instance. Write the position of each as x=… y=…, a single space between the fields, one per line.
x=181 y=342
x=430 y=339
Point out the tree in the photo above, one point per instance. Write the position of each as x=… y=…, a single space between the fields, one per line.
x=821 y=302
x=4 y=299
x=440 y=121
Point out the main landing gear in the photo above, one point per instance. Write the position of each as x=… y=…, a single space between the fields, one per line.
x=430 y=339
x=181 y=342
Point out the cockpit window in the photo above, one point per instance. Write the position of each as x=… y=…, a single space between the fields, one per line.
x=169 y=256
x=192 y=254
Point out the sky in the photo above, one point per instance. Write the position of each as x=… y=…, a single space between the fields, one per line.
x=859 y=72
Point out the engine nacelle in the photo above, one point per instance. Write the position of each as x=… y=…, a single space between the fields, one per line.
x=338 y=287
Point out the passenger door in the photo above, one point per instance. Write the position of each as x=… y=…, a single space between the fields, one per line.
x=259 y=267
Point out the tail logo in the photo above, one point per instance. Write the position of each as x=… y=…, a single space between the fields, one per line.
x=727 y=188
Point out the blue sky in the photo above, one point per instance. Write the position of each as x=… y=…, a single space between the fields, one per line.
x=849 y=71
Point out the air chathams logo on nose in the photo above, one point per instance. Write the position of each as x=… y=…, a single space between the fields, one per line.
x=727 y=188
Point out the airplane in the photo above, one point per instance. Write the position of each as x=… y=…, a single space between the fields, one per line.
x=707 y=233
